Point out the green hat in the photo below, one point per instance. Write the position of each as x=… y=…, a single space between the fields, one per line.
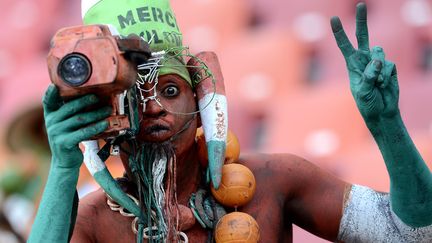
x=153 y=20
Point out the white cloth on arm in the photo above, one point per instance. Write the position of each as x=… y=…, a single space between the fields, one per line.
x=368 y=217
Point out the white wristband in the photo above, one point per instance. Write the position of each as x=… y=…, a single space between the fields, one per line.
x=368 y=217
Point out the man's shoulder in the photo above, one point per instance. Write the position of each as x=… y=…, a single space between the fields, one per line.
x=92 y=203
x=100 y=222
x=279 y=168
x=87 y=221
x=273 y=162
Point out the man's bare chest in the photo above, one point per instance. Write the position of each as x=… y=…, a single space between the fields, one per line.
x=114 y=227
x=117 y=228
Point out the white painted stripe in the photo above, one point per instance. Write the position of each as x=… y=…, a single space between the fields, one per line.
x=214 y=117
x=91 y=158
x=368 y=217
x=86 y=5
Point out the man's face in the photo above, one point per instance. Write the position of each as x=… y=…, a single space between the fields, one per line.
x=160 y=122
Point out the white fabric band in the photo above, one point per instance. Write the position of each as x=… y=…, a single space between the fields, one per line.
x=368 y=217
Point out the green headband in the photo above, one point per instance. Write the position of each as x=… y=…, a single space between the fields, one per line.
x=153 y=20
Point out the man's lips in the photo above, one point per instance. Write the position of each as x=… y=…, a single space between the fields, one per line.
x=153 y=129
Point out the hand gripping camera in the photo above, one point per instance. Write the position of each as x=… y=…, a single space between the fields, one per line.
x=90 y=59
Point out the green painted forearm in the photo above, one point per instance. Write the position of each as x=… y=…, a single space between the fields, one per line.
x=54 y=218
x=410 y=178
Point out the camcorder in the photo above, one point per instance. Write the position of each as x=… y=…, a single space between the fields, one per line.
x=94 y=59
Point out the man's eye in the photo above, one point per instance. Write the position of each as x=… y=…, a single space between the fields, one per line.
x=170 y=91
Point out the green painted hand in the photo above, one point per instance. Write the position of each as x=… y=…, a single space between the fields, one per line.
x=373 y=80
x=374 y=85
x=67 y=125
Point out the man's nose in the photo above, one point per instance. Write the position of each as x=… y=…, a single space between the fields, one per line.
x=152 y=108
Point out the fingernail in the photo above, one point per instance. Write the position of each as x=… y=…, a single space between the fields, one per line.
x=378 y=49
x=377 y=64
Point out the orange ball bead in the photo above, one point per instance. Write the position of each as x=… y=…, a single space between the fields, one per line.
x=237 y=227
x=232 y=151
x=237 y=186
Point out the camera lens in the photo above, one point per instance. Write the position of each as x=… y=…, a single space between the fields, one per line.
x=74 y=69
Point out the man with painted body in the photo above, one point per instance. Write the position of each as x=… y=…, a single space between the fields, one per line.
x=289 y=189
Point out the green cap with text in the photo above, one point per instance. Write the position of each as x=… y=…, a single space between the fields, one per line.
x=153 y=20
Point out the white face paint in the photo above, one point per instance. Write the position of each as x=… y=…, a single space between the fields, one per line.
x=368 y=217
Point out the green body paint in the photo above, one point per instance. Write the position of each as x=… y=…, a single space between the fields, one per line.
x=411 y=179
x=56 y=214
x=55 y=218
x=216 y=153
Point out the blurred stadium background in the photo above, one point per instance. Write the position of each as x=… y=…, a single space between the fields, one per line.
x=285 y=78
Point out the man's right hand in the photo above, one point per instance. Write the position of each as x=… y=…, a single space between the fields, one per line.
x=68 y=124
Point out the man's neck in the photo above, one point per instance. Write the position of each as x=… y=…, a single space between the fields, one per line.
x=189 y=174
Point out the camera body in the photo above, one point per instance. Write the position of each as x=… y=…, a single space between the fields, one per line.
x=89 y=59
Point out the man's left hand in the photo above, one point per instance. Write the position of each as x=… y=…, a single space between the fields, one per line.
x=373 y=80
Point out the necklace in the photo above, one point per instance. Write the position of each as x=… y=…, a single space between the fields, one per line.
x=118 y=208
x=236 y=189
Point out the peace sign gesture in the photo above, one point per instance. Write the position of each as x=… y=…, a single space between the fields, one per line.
x=373 y=80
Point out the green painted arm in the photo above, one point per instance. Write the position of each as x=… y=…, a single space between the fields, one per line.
x=54 y=218
x=374 y=85
x=411 y=179
x=67 y=125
